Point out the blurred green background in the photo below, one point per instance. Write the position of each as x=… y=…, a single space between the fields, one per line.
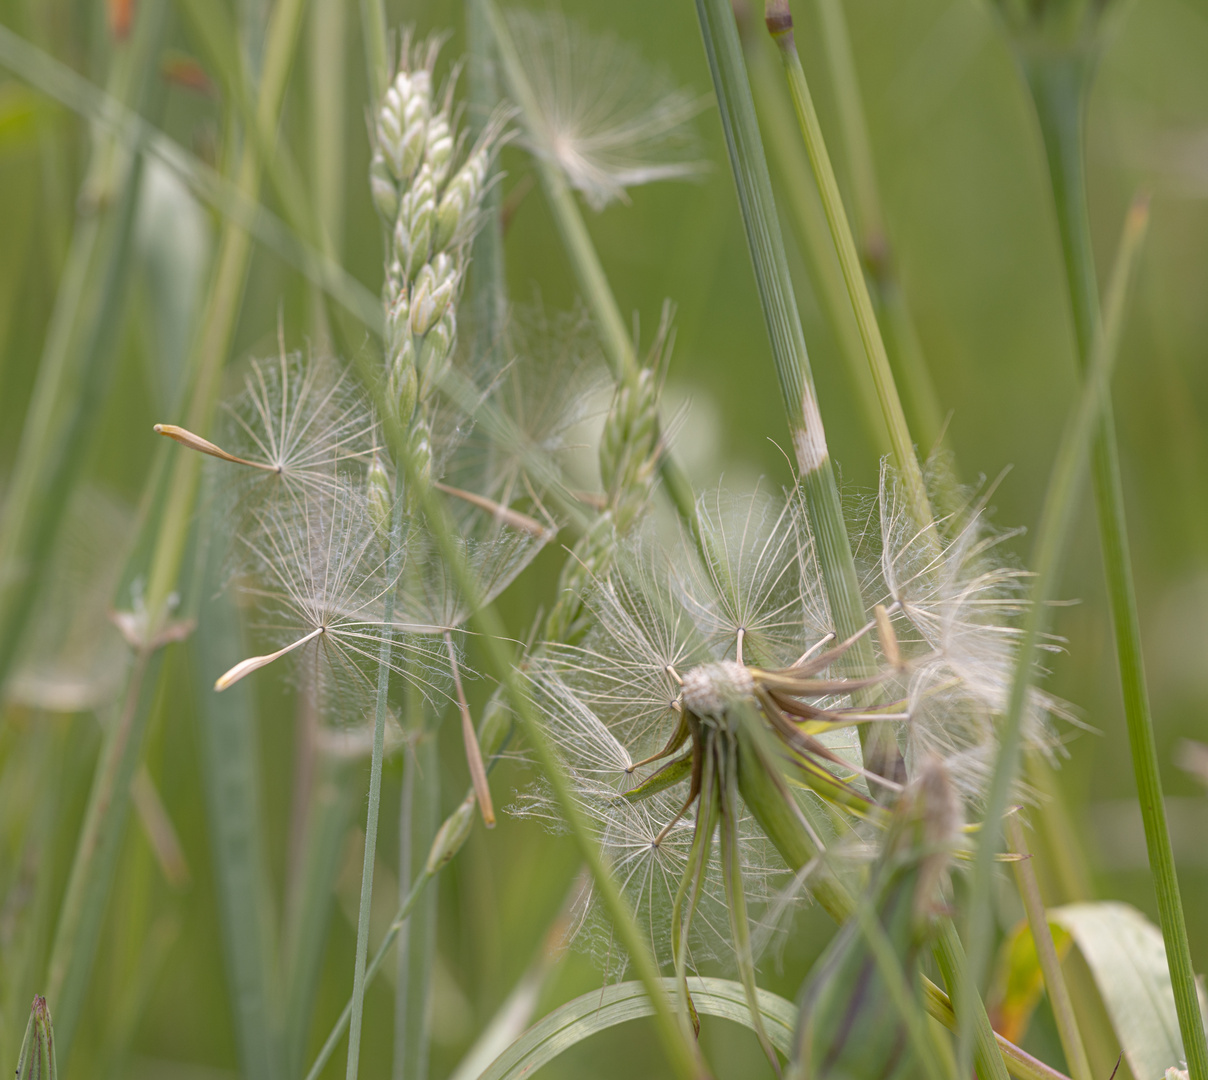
x=969 y=215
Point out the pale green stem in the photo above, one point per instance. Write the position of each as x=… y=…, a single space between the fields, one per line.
x=901 y=338
x=1051 y=533
x=813 y=235
x=394 y=560
x=618 y=344
x=1059 y=86
x=904 y=1001
x=780 y=25
x=683 y=1055
x=377 y=50
x=341 y=1025
x=89 y=307
x=1046 y=952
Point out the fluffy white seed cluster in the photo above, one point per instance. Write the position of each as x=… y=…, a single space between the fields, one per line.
x=430 y=195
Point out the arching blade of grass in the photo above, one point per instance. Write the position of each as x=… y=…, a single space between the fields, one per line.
x=1051 y=534
x=1059 y=84
x=231 y=775
x=570 y=1024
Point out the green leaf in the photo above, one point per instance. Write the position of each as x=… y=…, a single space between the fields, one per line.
x=599 y=1010
x=1127 y=957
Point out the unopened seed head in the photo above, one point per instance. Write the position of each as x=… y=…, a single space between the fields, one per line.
x=439 y=145
x=710 y=688
x=384 y=187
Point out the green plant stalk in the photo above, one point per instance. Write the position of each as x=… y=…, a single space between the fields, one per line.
x=92 y=870
x=817 y=475
x=901 y=338
x=341 y=1025
x=682 y=1054
x=1046 y=952
x=813 y=236
x=394 y=559
x=1051 y=533
x=90 y=882
x=377 y=50
x=990 y=1053
x=76 y=356
x=230 y=774
x=618 y=345
x=1058 y=85
x=780 y=25
x=417 y=939
x=330 y=812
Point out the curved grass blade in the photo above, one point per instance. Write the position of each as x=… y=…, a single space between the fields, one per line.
x=599 y=1010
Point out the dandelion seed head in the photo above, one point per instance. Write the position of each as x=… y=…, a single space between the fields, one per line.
x=710 y=688
x=960 y=606
x=607 y=119
x=305 y=422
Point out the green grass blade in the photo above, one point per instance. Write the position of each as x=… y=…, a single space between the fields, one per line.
x=231 y=777
x=775 y=287
x=780 y=25
x=1059 y=85
x=570 y=1024
x=78 y=356
x=1046 y=953
x=86 y=898
x=382 y=705
x=330 y=811
x=1051 y=533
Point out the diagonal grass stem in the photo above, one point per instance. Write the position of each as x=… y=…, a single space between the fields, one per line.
x=1055 y=519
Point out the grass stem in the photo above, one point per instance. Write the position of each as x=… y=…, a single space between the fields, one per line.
x=1051 y=533
x=394 y=559
x=1046 y=952
x=780 y=25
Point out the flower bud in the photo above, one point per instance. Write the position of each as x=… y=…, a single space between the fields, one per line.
x=403 y=384
x=36 y=1060
x=438 y=147
x=461 y=197
x=416 y=217
x=436 y=348
x=379 y=494
x=434 y=288
x=383 y=187
x=451 y=835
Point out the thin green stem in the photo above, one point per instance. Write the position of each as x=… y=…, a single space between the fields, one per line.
x=341 y=1025
x=1046 y=953
x=618 y=344
x=813 y=234
x=377 y=48
x=780 y=25
x=1059 y=86
x=683 y=1055
x=893 y=314
x=1052 y=531
x=394 y=559
x=817 y=476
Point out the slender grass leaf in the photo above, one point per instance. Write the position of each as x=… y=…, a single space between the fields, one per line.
x=599 y=1010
